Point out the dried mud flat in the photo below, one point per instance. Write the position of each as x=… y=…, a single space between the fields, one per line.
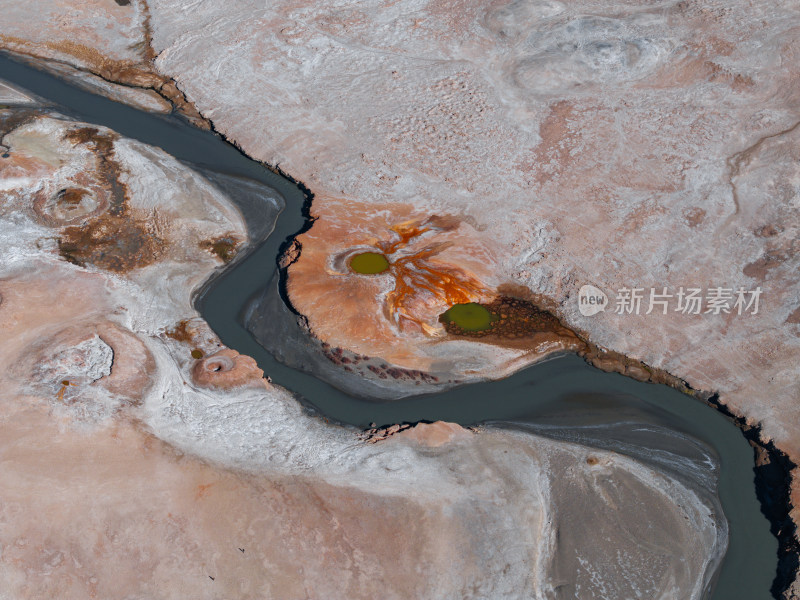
x=595 y=142
x=142 y=458
x=640 y=147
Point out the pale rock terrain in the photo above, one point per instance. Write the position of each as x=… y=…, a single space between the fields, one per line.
x=86 y=34
x=130 y=471
x=613 y=143
x=100 y=45
x=642 y=146
x=95 y=44
x=602 y=142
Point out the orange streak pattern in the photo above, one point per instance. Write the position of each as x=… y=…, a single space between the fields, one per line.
x=416 y=274
x=64 y=385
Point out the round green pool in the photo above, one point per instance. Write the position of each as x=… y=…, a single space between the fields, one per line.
x=369 y=263
x=469 y=317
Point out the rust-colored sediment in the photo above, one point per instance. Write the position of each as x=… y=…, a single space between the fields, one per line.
x=418 y=273
x=434 y=262
x=111 y=243
x=182 y=332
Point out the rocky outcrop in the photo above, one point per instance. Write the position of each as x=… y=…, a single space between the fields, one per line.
x=433 y=263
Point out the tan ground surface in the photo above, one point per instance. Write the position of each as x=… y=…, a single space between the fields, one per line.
x=132 y=466
x=642 y=146
x=612 y=143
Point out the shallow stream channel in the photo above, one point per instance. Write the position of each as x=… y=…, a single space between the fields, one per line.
x=562 y=398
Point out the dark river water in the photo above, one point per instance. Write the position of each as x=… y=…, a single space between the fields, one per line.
x=562 y=398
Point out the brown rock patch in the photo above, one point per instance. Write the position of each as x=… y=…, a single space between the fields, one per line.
x=694 y=216
x=182 y=332
x=290 y=255
x=116 y=240
x=768 y=231
x=225 y=247
x=113 y=243
x=760 y=268
x=108 y=169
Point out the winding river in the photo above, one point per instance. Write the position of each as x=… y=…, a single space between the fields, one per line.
x=563 y=398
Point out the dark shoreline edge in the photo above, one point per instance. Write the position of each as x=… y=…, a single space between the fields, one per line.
x=772 y=480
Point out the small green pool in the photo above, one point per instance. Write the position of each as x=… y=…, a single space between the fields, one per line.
x=369 y=263
x=469 y=317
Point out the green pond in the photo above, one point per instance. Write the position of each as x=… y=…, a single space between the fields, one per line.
x=469 y=317
x=369 y=263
